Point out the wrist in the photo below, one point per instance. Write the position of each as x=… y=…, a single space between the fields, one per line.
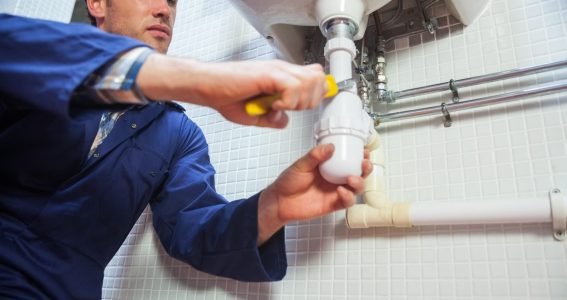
x=269 y=220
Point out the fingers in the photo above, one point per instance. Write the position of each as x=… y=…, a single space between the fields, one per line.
x=356 y=184
x=366 y=168
x=301 y=87
x=273 y=119
x=346 y=197
x=347 y=194
x=312 y=159
x=320 y=86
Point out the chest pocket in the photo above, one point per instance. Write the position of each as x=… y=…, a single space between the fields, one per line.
x=139 y=176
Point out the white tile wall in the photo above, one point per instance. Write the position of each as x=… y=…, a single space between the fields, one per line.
x=57 y=10
x=512 y=151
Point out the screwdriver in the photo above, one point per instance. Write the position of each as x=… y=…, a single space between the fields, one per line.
x=262 y=104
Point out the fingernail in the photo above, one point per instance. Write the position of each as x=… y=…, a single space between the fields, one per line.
x=277 y=116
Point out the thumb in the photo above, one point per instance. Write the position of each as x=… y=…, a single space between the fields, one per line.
x=316 y=156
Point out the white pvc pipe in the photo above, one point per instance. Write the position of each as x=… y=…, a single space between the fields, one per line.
x=346 y=160
x=479 y=212
x=340 y=65
x=343 y=122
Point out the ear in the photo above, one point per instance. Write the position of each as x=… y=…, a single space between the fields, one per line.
x=97 y=8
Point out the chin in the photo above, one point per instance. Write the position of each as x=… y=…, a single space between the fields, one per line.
x=160 y=47
x=161 y=50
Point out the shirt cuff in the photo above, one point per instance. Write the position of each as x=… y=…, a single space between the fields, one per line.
x=250 y=262
x=116 y=82
x=273 y=256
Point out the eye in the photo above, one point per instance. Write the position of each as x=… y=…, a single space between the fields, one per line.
x=172 y=2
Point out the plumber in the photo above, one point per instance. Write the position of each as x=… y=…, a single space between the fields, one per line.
x=89 y=138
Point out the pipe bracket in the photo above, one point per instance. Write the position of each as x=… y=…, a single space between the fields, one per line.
x=447 y=121
x=454 y=90
x=558 y=214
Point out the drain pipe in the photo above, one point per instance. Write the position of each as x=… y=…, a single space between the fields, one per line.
x=379 y=211
x=343 y=121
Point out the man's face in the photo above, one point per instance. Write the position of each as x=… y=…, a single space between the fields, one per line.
x=150 y=21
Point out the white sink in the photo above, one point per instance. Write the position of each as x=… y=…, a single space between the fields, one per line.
x=286 y=23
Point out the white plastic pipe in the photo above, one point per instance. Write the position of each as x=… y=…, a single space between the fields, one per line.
x=379 y=211
x=354 y=10
x=480 y=212
x=343 y=122
x=340 y=65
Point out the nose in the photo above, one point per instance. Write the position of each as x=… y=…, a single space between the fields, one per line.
x=161 y=9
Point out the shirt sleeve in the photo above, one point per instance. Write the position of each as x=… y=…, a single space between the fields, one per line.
x=43 y=62
x=198 y=226
x=115 y=83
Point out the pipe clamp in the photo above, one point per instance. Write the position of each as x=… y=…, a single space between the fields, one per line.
x=558 y=214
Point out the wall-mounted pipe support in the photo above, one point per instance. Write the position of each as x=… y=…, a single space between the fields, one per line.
x=558 y=213
x=392 y=96
x=475 y=103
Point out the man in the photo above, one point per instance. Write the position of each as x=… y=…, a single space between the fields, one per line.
x=73 y=183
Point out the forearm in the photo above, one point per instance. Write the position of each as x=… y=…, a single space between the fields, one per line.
x=169 y=78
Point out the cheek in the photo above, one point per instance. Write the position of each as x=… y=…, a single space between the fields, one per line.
x=132 y=28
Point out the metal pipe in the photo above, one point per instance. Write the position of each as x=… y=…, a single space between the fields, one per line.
x=479 y=102
x=340 y=27
x=392 y=96
x=380 y=79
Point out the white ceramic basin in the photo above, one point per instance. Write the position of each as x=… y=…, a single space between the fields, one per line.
x=286 y=23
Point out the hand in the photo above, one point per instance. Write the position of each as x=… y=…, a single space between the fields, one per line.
x=301 y=87
x=301 y=193
x=227 y=86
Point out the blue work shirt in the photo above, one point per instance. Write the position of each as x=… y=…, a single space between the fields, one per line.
x=62 y=215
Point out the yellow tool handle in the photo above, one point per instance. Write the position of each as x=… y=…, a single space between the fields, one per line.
x=262 y=104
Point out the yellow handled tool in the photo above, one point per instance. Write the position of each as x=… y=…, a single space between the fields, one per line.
x=261 y=105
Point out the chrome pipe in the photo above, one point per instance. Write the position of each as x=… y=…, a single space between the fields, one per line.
x=475 y=103
x=392 y=96
x=340 y=27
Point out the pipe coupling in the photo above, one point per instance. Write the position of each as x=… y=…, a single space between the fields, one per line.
x=390 y=215
x=339 y=43
x=341 y=125
x=339 y=27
